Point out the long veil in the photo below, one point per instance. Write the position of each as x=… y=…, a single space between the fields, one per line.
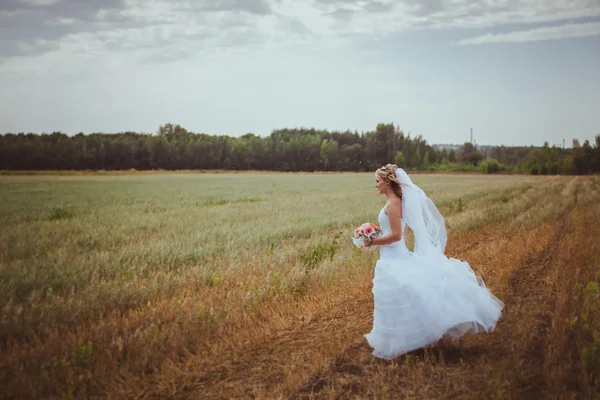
x=423 y=218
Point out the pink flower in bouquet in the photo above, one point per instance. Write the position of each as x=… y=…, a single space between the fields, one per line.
x=364 y=234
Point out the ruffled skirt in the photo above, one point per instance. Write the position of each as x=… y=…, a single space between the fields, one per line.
x=419 y=301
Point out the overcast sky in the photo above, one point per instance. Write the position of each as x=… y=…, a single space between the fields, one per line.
x=517 y=72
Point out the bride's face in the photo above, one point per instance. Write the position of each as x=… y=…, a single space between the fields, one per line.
x=380 y=184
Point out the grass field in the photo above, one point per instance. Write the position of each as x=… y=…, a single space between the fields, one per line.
x=221 y=285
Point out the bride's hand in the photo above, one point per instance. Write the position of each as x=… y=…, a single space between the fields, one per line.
x=369 y=243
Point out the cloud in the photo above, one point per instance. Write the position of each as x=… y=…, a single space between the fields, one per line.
x=163 y=29
x=35 y=26
x=250 y=6
x=376 y=7
x=536 y=34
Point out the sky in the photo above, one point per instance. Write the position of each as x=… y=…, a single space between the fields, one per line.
x=517 y=72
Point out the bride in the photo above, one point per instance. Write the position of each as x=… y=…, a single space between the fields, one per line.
x=421 y=296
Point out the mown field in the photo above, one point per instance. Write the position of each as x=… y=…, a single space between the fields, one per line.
x=242 y=285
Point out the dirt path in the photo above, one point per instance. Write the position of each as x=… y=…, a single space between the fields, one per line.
x=326 y=356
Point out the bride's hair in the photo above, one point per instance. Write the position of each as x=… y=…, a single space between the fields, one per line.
x=388 y=172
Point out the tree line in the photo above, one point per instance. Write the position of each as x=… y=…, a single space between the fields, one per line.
x=300 y=149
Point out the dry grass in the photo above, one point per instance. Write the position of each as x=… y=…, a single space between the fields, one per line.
x=233 y=285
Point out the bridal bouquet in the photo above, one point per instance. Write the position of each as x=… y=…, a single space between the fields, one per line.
x=365 y=233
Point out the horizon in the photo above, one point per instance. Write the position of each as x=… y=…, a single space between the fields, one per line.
x=518 y=72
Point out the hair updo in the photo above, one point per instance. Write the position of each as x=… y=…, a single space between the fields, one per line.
x=388 y=173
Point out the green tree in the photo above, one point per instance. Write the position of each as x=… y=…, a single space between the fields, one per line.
x=492 y=166
x=425 y=163
x=581 y=157
x=596 y=158
x=400 y=160
x=452 y=156
x=443 y=156
x=470 y=155
x=329 y=154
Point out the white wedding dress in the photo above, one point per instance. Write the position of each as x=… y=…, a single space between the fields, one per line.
x=420 y=299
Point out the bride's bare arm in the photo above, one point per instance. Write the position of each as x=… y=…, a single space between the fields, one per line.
x=394 y=213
